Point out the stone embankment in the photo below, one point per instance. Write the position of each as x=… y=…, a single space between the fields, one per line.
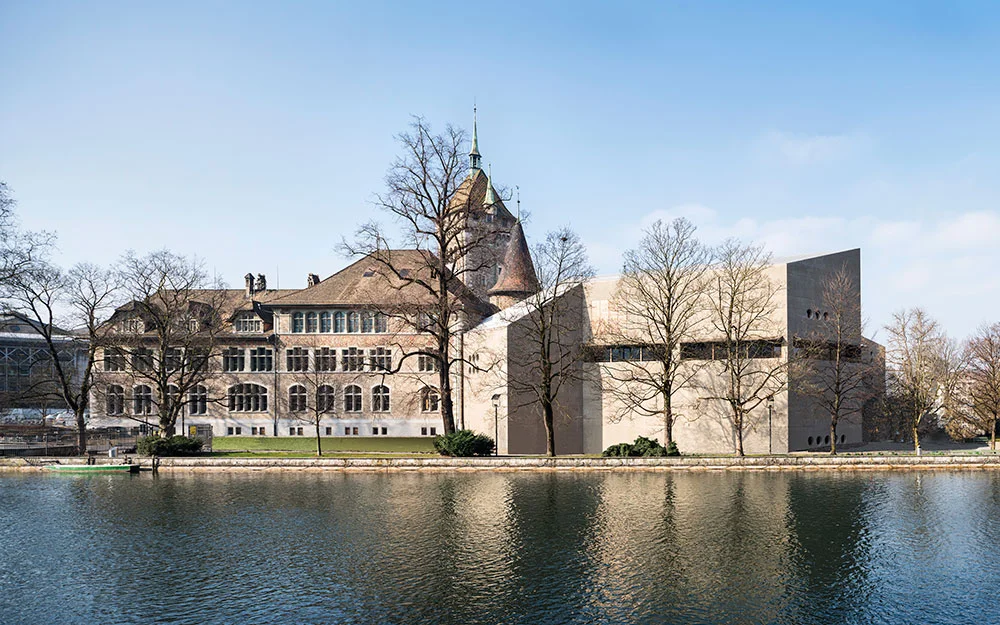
x=520 y=463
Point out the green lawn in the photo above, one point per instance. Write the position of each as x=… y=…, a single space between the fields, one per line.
x=330 y=443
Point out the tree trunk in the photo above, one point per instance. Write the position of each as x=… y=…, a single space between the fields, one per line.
x=167 y=427
x=739 y=436
x=81 y=434
x=833 y=437
x=993 y=436
x=550 y=435
x=668 y=419
x=916 y=440
x=319 y=441
x=447 y=408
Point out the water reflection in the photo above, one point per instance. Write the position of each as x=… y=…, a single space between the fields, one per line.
x=500 y=548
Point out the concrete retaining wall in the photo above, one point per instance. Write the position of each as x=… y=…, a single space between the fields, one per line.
x=556 y=464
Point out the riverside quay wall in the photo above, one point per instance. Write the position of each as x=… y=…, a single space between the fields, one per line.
x=688 y=463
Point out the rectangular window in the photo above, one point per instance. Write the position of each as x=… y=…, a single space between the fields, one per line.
x=239 y=431
x=326 y=359
x=233 y=359
x=427 y=363
x=142 y=359
x=291 y=431
x=434 y=431
x=249 y=322
x=329 y=431
x=173 y=358
x=381 y=359
x=354 y=431
x=297 y=359
x=229 y=431
x=261 y=359
x=374 y=431
x=114 y=359
x=298 y=323
x=300 y=431
x=352 y=359
x=385 y=431
x=423 y=431
x=347 y=431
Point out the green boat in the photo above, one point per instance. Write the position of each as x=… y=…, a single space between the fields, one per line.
x=93 y=468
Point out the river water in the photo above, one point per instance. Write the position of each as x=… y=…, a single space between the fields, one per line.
x=532 y=548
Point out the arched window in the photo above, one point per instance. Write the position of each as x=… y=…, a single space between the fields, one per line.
x=298 y=322
x=381 y=323
x=142 y=400
x=368 y=322
x=352 y=398
x=297 y=398
x=380 y=398
x=326 y=398
x=198 y=400
x=116 y=400
x=247 y=398
x=430 y=400
x=312 y=322
x=325 y=324
x=353 y=321
x=339 y=319
x=173 y=396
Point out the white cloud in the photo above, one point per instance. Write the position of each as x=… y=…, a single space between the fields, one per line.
x=811 y=149
x=905 y=262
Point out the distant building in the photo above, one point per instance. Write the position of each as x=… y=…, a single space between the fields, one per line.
x=27 y=390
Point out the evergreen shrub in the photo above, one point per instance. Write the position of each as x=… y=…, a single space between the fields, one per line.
x=173 y=446
x=464 y=443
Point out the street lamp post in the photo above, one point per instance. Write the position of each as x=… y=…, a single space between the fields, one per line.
x=496 y=424
x=770 y=410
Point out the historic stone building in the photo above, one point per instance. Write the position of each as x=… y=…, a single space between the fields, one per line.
x=332 y=354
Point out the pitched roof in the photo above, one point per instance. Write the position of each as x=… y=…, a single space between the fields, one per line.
x=518 y=276
x=473 y=191
x=368 y=282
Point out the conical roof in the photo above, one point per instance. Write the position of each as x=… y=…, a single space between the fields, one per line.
x=518 y=275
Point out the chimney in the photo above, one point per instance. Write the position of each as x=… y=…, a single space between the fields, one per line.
x=261 y=283
x=249 y=281
x=312 y=280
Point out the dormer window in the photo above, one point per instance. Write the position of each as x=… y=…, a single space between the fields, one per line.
x=249 y=322
x=134 y=326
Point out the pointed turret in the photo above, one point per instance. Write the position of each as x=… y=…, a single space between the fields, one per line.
x=475 y=160
x=491 y=197
x=518 y=279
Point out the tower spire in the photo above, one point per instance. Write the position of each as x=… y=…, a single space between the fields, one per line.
x=491 y=197
x=475 y=159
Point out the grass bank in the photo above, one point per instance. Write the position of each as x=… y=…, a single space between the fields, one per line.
x=333 y=444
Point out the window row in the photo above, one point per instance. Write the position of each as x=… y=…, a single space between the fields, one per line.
x=623 y=353
x=234 y=359
x=340 y=322
x=142 y=400
x=254 y=398
x=719 y=350
x=145 y=359
x=826 y=350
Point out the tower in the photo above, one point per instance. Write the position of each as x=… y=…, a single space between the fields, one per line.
x=518 y=279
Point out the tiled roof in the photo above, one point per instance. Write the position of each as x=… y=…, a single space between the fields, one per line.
x=518 y=276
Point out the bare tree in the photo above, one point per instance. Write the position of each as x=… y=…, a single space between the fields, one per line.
x=551 y=345
x=826 y=364
x=169 y=331
x=313 y=396
x=743 y=307
x=421 y=195
x=919 y=368
x=983 y=377
x=86 y=295
x=658 y=303
x=19 y=250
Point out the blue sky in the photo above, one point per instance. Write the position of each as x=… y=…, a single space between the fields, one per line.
x=254 y=135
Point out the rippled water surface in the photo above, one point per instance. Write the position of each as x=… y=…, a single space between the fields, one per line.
x=501 y=548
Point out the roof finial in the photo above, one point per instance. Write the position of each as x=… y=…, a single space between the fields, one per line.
x=491 y=198
x=474 y=156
